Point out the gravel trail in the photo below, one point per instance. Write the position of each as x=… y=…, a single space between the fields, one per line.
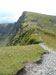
x=46 y=67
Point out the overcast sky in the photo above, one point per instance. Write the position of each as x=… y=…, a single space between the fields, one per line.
x=10 y=10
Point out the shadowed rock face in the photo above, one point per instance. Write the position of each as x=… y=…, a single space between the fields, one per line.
x=21 y=72
x=46 y=67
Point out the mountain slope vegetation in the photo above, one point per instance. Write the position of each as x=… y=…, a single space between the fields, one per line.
x=28 y=30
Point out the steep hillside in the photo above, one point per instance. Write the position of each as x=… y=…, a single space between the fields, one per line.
x=31 y=28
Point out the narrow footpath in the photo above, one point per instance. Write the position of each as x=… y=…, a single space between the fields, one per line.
x=46 y=67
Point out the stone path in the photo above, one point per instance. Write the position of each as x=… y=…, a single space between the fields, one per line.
x=46 y=67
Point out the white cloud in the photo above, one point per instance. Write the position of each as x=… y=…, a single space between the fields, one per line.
x=18 y=6
x=7 y=18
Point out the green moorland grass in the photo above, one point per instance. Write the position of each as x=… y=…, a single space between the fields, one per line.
x=50 y=40
x=12 y=57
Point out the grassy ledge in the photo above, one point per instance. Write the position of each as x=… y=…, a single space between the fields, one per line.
x=12 y=57
x=49 y=40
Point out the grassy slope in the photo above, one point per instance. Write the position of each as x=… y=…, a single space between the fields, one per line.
x=12 y=58
x=50 y=40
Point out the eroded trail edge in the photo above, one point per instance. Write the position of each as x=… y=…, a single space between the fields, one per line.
x=46 y=67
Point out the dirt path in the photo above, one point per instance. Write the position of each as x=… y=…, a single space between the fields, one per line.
x=46 y=67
